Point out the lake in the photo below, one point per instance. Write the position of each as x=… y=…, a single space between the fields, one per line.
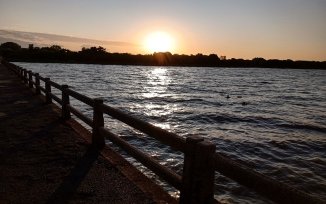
x=274 y=120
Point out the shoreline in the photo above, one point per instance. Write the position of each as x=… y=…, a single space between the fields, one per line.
x=165 y=66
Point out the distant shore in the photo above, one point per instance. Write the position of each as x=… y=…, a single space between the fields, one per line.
x=98 y=55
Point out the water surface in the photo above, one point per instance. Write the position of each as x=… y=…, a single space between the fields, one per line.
x=274 y=120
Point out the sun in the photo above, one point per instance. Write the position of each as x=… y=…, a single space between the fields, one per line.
x=159 y=42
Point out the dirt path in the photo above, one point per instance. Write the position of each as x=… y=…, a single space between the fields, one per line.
x=44 y=160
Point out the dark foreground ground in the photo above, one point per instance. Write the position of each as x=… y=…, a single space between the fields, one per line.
x=46 y=160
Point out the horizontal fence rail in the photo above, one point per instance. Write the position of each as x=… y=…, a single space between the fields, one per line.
x=55 y=85
x=163 y=136
x=41 y=78
x=172 y=178
x=56 y=98
x=81 y=116
x=270 y=188
x=81 y=97
x=196 y=184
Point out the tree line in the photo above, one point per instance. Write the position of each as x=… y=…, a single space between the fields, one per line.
x=98 y=55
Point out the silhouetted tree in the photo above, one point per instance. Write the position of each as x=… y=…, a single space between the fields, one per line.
x=11 y=46
x=98 y=55
x=162 y=58
x=56 y=47
x=258 y=62
x=10 y=50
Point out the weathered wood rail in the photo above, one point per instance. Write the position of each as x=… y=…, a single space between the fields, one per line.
x=196 y=184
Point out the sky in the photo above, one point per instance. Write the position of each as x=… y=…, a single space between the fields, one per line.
x=272 y=29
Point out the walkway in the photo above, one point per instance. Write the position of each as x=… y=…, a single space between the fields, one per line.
x=45 y=160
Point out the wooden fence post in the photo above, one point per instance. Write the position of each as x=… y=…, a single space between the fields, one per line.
x=37 y=83
x=98 y=121
x=65 y=101
x=48 y=91
x=198 y=172
x=25 y=76
x=22 y=74
x=30 y=79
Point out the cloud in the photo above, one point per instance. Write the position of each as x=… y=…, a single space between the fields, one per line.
x=73 y=43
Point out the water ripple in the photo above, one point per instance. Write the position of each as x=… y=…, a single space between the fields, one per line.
x=272 y=120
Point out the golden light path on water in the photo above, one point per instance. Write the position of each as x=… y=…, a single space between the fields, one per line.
x=158 y=81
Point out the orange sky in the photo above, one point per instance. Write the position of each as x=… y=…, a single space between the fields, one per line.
x=283 y=29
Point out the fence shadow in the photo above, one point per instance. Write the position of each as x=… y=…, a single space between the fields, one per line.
x=70 y=184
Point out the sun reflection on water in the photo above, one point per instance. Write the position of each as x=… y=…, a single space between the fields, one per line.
x=157 y=82
x=156 y=90
x=164 y=126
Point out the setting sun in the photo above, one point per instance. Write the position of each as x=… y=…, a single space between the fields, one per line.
x=159 y=42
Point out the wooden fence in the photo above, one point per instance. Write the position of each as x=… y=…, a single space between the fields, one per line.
x=196 y=184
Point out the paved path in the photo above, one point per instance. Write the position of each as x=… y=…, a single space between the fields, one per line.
x=46 y=160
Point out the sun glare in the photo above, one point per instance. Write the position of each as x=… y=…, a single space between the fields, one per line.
x=159 y=42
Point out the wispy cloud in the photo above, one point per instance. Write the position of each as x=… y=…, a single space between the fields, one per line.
x=73 y=43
